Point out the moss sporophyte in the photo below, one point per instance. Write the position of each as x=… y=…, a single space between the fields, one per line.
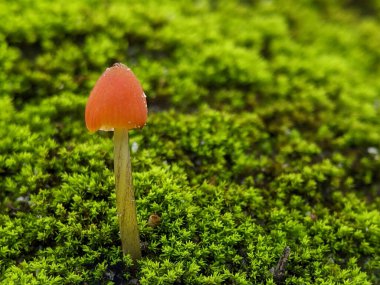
x=118 y=103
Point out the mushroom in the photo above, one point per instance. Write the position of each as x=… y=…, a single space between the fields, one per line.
x=118 y=103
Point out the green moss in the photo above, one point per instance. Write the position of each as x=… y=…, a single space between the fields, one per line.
x=263 y=132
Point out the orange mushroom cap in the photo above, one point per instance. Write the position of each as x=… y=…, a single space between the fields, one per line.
x=116 y=101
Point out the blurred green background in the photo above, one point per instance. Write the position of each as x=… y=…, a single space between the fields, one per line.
x=263 y=132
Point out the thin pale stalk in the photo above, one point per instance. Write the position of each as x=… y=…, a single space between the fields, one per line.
x=125 y=196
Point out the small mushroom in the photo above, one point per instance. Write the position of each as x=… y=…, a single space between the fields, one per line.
x=118 y=103
x=154 y=220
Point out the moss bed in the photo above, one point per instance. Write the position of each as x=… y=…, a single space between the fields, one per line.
x=263 y=134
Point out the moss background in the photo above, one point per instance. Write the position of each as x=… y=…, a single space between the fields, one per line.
x=263 y=132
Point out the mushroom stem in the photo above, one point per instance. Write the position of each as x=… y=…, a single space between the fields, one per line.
x=125 y=197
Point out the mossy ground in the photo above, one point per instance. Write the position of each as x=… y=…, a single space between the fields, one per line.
x=263 y=132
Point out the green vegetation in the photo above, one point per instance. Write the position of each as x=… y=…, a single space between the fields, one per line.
x=263 y=132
